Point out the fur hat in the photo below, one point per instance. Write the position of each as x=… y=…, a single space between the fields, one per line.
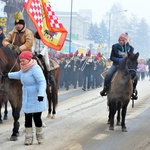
x=26 y=55
x=18 y=16
x=76 y=53
x=88 y=53
x=71 y=54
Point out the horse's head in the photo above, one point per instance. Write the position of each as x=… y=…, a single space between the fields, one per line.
x=131 y=63
x=8 y=60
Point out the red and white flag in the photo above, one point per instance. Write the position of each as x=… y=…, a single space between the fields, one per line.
x=51 y=31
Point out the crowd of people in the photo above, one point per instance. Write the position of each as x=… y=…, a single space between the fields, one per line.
x=81 y=71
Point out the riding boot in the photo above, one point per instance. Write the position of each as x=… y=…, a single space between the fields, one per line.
x=39 y=135
x=104 y=91
x=134 y=94
x=51 y=81
x=28 y=136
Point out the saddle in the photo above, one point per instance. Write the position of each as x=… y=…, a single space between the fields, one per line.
x=53 y=65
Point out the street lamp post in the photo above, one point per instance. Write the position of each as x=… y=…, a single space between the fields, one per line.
x=70 y=26
x=110 y=24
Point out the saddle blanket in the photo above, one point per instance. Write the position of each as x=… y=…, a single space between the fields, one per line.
x=53 y=64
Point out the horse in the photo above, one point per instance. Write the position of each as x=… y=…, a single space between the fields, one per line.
x=121 y=88
x=52 y=91
x=9 y=62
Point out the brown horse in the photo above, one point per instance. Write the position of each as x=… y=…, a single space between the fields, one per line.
x=52 y=91
x=9 y=62
x=121 y=88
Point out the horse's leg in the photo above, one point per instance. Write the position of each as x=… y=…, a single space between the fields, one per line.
x=118 y=113
x=54 y=100
x=124 y=109
x=5 y=111
x=48 y=91
x=16 y=116
x=108 y=122
x=1 y=121
x=112 y=109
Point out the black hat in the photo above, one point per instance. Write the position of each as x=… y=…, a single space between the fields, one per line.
x=20 y=22
x=36 y=35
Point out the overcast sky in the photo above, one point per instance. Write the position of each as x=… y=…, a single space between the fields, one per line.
x=140 y=8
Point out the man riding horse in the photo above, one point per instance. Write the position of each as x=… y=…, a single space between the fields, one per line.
x=119 y=50
x=21 y=38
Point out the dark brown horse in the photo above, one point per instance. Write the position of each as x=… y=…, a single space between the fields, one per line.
x=9 y=62
x=121 y=88
x=13 y=88
x=52 y=91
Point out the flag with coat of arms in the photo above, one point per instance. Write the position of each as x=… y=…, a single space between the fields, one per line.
x=52 y=32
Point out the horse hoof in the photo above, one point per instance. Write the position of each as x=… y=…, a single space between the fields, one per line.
x=13 y=138
x=49 y=116
x=124 y=129
x=53 y=116
x=1 y=121
x=111 y=127
x=118 y=123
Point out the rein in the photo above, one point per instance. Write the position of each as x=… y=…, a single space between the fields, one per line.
x=11 y=67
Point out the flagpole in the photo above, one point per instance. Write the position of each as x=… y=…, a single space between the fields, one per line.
x=70 y=26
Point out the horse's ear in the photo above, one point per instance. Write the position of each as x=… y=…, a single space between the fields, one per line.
x=137 y=55
x=128 y=54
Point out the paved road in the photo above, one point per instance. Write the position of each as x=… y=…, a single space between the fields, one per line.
x=81 y=124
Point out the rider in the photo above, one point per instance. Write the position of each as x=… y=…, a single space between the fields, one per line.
x=42 y=51
x=119 y=50
x=20 y=38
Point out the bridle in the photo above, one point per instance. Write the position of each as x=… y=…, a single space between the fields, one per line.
x=2 y=71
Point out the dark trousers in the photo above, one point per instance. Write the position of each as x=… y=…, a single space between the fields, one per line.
x=86 y=77
x=36 y=117
x=109 y=75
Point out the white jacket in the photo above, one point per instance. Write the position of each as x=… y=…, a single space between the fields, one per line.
x=40 y=48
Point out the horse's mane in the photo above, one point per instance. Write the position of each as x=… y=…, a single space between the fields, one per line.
x=9 y=53
x=9 y=58
x=123 y=64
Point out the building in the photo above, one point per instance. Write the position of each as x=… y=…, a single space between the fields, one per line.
x=80 y=25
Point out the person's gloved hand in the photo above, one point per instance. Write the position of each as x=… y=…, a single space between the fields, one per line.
x=17 y=50
x=10 y=46
x=39 y=56
x=120 y=59
x=5 y=75
x=40 y=98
